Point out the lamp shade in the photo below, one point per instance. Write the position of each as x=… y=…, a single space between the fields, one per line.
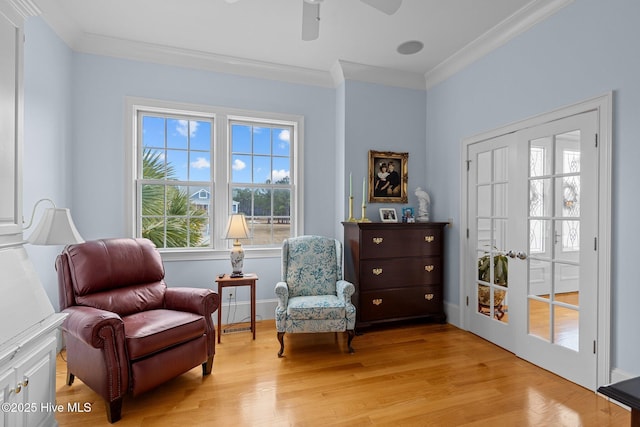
x=55 y=228
x=237 y=227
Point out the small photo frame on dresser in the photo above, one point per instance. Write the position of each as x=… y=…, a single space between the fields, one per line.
x=388 y=215
x=407 y=215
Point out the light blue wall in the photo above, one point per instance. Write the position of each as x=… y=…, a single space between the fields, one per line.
x=383 y=118
x=48 y=132
x=587 y=49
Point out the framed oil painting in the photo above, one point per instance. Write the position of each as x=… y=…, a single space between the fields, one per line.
x=388 y=176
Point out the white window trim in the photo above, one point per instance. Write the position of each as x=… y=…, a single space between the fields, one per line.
x=222 y=173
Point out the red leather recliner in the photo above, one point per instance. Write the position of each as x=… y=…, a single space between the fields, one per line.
x=126 y=331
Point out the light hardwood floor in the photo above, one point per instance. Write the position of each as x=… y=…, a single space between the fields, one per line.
x=420 y=374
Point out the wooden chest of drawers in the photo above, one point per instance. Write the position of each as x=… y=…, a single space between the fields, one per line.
x=397 y=269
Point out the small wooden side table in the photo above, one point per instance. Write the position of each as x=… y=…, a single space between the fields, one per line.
x=626 y=392
x=249 y=279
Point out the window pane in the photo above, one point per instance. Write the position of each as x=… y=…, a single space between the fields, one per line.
x=153 y=200
x=153 y=132
x=177 y=132
x=199 y=200
x=261 y=140
x=500 y=164
x=539 y=157
x=153 y=165
x=177 y=164
x=281 y=170
x=281 y=142
x=241 y=138
x=201 y=136
x=282 y=205
x=261 y=169
x=240 y=168
x=484 y=167
x=242 y=201
x=262 y=203
x=200 y=166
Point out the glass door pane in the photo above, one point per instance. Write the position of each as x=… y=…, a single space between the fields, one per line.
x=554 y=239
x=492 y=212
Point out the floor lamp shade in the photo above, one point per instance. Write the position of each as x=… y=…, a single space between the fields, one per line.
x=55 y=228
x=237 y=229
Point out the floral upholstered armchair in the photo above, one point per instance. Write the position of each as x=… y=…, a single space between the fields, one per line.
x=312 y=296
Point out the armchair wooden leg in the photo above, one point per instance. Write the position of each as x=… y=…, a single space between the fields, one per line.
x=207 y=366
x=281 y=339
x=70 y=377
x=114 y=410
x=351 y=333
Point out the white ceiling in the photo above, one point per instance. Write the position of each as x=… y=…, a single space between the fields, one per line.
x=267 y=33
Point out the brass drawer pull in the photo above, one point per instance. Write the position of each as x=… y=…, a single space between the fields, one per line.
x=429 y=268
x=377 y=271
x=377 y=301
x=377 y=240
x=428 y=297
x=429 y=239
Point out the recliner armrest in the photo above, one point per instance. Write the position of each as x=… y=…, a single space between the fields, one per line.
x=86 y=323
x=194 y=300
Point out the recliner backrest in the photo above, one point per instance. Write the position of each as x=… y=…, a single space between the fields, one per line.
x=120 y=275
x=311 y=265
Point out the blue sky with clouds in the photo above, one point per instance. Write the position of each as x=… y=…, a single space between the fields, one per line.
x=259 y=153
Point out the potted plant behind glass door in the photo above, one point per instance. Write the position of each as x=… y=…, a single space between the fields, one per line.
x=501 y=277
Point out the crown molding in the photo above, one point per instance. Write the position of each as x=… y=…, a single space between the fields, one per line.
x=345 y=70
x=521 y=21
x=16 y=11
x=25 y=8
x=167 y=55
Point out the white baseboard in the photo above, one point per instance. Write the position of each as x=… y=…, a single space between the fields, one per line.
x=240 y=311
x=453 y=314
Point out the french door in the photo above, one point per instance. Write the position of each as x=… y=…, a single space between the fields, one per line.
x=533 y=226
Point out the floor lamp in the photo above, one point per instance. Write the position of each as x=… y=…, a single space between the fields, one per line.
x=56 y=227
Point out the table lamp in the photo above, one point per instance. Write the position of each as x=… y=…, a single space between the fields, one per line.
x=237 y=229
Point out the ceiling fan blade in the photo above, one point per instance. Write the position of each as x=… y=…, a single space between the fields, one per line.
x=387 y=6
x=310 y=21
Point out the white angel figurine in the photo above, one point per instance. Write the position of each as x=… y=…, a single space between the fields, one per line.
x=423 y=201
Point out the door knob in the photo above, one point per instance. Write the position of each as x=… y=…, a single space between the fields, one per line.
x=519 y=254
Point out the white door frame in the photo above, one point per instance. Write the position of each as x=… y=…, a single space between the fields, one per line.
x=604 y=106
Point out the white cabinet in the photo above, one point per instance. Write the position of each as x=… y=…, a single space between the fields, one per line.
x=28 y=394
x=11 y=40
x=28 y=323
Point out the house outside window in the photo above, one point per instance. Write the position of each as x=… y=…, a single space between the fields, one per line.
x=195 y=165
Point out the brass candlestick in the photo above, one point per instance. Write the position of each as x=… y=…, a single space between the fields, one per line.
x=351 y=218
x=364 y=215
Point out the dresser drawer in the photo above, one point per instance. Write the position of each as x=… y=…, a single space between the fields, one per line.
x=400 y=243
x=394 y=273
x=400 y=303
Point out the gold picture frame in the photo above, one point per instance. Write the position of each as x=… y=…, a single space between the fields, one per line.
x=388 y=176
